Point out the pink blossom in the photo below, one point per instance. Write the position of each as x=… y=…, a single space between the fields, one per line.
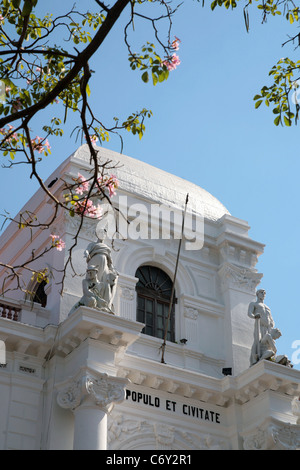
x=84 y=184
x=37 y=144
x=112 y=185
x=175 y=44
x=172 y=62
x=60 y=245
x=57 y=242
x=98 y=212
x=47 y=144
x=4 y=132
x=87 y=208
x=110 y=182
x=93 y=138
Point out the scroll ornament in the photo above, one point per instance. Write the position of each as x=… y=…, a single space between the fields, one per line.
x=103 y=391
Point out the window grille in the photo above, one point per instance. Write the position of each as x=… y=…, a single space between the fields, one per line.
x=153 y=299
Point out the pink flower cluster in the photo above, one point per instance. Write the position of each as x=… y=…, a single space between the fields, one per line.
x=175 y=44
x=5 y=132
x=83 y=186
x=57 y=242
x=93 y=138
x=86 y=207
x=111 y=183
x=173 y=61
x=38 y=144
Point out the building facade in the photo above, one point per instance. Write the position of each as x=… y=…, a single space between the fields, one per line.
x=80 y=377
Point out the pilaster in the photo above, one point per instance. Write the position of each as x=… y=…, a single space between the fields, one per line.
x=238 y=282
x=91 y=396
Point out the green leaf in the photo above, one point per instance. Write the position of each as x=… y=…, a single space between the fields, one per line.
x=287 y=121
x=277 y=120
x=154 y=79
x=258 y=103
x=145 y=77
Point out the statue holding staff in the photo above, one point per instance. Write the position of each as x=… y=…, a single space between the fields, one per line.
x=264 y=324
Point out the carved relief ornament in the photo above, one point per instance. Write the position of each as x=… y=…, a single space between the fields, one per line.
x=274 y=436
x=233 y=276
x=102 y=390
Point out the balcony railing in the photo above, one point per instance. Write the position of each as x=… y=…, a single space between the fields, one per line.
x=9 y=311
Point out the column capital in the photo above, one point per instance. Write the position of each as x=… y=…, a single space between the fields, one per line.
x=244 y=279
x=92 y=389
x=274 y=435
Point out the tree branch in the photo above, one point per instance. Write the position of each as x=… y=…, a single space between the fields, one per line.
x=80 y=61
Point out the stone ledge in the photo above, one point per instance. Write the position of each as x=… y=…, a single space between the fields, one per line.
x=87 y=322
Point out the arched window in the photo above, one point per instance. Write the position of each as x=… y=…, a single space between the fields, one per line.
x=153 y=299
x=40 y=296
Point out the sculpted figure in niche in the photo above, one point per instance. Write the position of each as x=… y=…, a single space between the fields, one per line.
x=99 y=254
x=99 y=285
x=265 y=334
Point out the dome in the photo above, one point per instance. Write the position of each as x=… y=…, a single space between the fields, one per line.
x=149 y=182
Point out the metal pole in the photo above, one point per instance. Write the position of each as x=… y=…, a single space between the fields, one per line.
x=163 y=346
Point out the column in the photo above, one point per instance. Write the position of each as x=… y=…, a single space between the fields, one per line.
x=91 y=395
x=238 y=288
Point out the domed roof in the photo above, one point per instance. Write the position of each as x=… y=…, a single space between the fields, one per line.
x=147 y=181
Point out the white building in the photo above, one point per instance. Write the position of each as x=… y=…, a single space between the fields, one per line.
x=93 y=380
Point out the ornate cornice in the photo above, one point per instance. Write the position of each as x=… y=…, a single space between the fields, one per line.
x=244 y=279
x=96 y=389
x=274 y=435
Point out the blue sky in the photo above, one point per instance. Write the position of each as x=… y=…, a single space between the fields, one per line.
x=205 y=129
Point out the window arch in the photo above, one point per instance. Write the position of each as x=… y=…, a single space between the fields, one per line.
x=39 y=295
x=154 y=289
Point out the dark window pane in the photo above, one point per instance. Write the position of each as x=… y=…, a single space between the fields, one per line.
x=153 y=299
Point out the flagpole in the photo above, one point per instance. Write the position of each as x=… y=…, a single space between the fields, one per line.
x=163 y=346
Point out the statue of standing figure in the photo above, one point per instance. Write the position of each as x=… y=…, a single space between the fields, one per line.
x=99 y=254
x=99 y=285
x=265 y=333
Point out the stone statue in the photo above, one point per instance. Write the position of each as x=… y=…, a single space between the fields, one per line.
x=99 y=254
x=267 y=344
x=264 y=332
x=99 y=285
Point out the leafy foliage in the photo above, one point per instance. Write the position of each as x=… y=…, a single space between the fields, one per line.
x=44 y=61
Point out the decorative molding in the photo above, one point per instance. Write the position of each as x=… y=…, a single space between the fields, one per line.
x=241 y=278
x=88 y=229
x=191 y=313
x=296 y=408
x=127 y=293
x=126 y=432
x=274 y=436
x=98 y=388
